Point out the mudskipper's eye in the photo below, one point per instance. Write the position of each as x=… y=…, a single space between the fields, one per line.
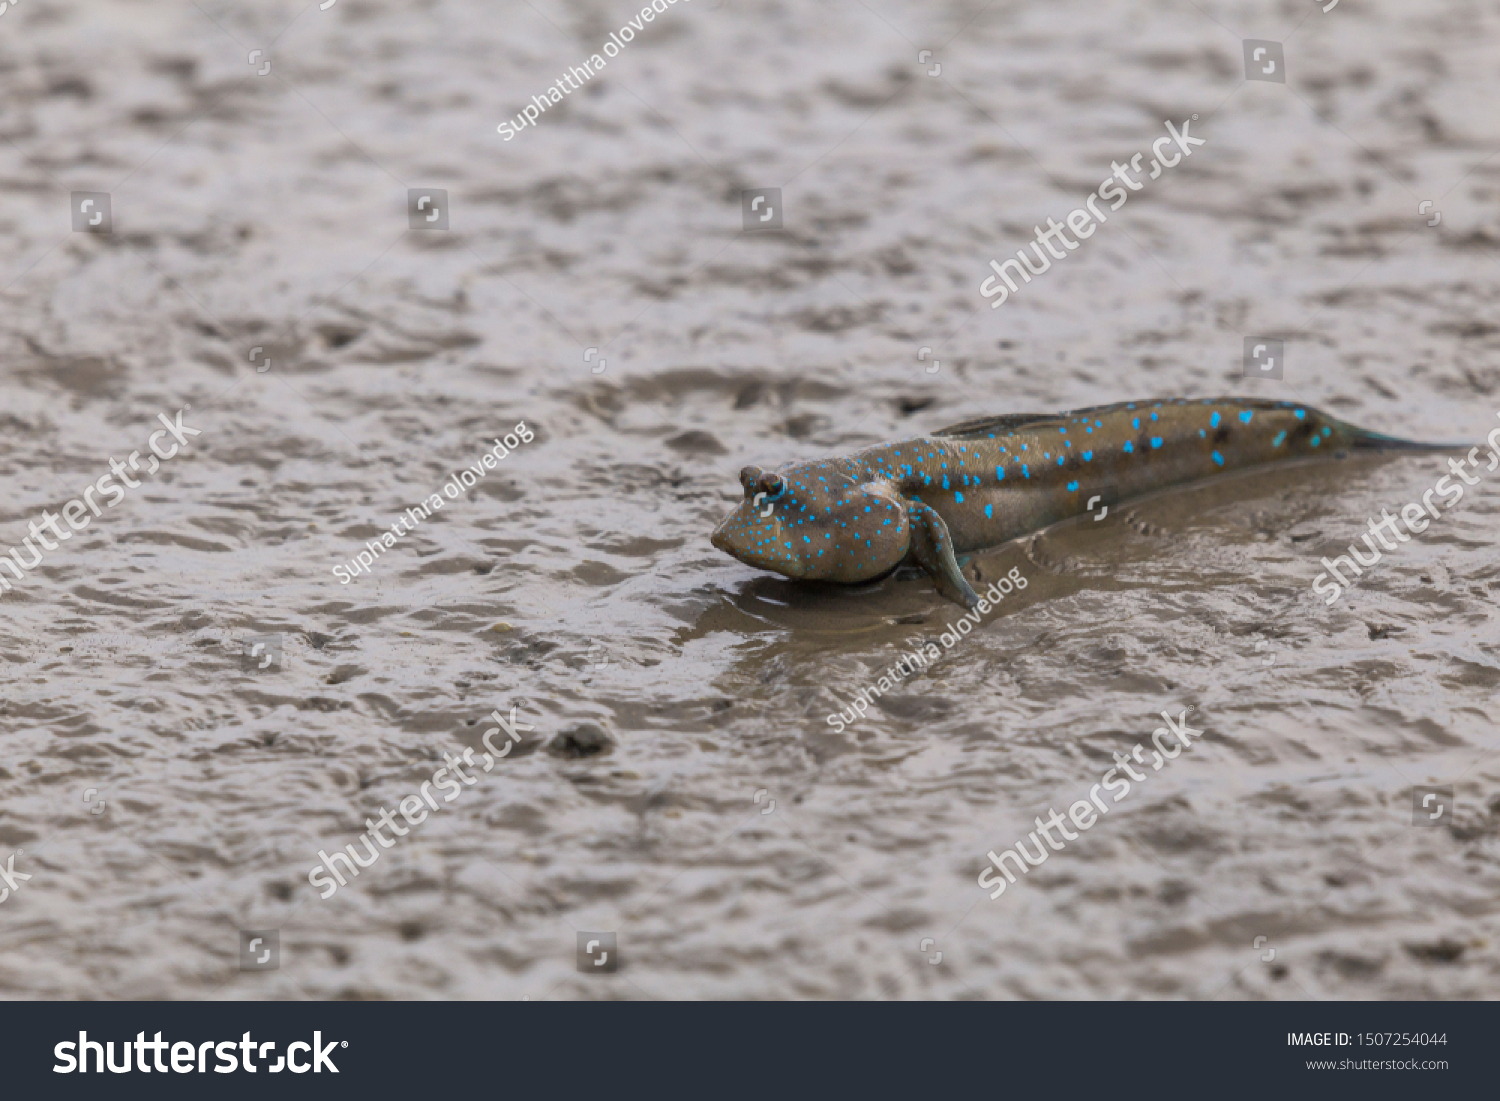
x=775 y=487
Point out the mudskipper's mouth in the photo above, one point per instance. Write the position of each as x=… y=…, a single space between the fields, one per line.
x=730 y=537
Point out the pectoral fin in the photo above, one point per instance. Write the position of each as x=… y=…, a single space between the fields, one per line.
x=932 y=547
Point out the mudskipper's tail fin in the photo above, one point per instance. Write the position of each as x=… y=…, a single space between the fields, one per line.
x=1363 y=440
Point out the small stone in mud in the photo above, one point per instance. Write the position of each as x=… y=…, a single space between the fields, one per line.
x=749 y=395
x=583 y=740
x=1444 y=951
x=804 y=425
x=694 y=442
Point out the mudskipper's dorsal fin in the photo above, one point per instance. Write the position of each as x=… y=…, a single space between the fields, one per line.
x=980 y=427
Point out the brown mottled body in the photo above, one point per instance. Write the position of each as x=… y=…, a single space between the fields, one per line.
x=983 y=482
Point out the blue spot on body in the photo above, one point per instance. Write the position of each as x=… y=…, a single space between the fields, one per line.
x=1315 y=441
x=1087 y=456
x=999 y=474
x=1072 y=487
x=960 y=497
x=1136 y=423
x=1155 y=441
x=1245 y=415
x=989 y=510
x=1059 y=460
x=1299 y=413
x=1280 y=436
x=1129 y=447
x=1213 y=421
x=1218 y=458
x=1025 y=470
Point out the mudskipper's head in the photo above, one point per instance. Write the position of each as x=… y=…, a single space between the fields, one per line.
x=815 y=522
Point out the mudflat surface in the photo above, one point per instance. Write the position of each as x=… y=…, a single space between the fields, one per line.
x=682 y=787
